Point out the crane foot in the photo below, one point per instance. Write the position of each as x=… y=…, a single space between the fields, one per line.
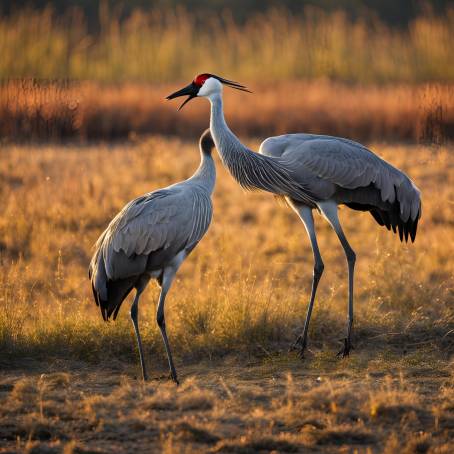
x=174 y=378
x=168 y=376
x=300 y=344
x=345 y=350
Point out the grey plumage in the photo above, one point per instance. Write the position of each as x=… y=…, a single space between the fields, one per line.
x=348 y=173
x=315 y=171
x=310 y=168
x=251 y=170
x=150 y=238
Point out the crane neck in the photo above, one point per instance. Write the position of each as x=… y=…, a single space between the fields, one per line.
x=227 y=144
x=241 y=162
x=205 y=175
x=251 y=170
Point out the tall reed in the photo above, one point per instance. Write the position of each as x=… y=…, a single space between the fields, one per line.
x=39 y=110
x=162 y=46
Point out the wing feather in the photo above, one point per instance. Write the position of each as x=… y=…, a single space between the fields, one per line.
x=347 y=164
x=173 y=218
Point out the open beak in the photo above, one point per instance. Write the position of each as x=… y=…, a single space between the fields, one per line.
x=190 y=91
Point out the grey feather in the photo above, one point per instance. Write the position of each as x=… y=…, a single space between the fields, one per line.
x=152 y=229
x=346 y=164
x=251 y=170
x=311 y=169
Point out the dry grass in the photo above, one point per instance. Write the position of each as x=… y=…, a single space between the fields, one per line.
x=31 y=110
x=163 y=46
x=237 y=304
x=261 y=410
x=248 y=279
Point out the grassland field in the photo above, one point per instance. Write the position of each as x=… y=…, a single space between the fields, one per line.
x=84 y=129
x=70 y=382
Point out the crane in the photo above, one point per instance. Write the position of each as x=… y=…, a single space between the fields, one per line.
x=149 y=239
x=314 y=172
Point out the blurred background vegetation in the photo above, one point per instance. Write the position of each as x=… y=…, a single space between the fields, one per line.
x=364 y=69
x=392 y=12
x=350 y=41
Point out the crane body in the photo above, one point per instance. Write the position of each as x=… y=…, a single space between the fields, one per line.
x=314 y=172
x=149 y=239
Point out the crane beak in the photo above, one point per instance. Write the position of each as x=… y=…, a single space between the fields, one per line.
x=190 y=91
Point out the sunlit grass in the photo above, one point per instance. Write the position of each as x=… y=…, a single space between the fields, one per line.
x=69 y=381
x=245 y=287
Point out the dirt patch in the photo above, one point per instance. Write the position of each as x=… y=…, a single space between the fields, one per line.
x=215 y=411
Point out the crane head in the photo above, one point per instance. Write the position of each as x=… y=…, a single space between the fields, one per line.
x=206 y=142
x=203 y=85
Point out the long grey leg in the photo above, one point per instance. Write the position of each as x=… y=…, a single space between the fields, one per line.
x=167 y=279
x=329 y=211
x=305 y=214
x=134 y=317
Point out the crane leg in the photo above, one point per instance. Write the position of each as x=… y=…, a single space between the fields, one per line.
x=134 y=317
x=329 y=211
x=167 y=279
x=305 y=214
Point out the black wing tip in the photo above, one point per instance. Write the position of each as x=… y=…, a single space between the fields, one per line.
x=115 y=297
x=414 y=228
x=409 y=229
x=392 y=221
x=100 y=303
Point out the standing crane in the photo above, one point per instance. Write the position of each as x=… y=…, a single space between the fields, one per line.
x=149 y=239
x=314 y=172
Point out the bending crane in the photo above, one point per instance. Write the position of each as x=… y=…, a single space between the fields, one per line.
x=149 y=239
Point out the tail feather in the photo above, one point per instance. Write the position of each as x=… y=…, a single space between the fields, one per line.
x=391 y=219
x=378 y=217
x=108 y=294
x=117 y=291
x=399 y=213
x=406 y=227
x=388 y=215
x=413 y=229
